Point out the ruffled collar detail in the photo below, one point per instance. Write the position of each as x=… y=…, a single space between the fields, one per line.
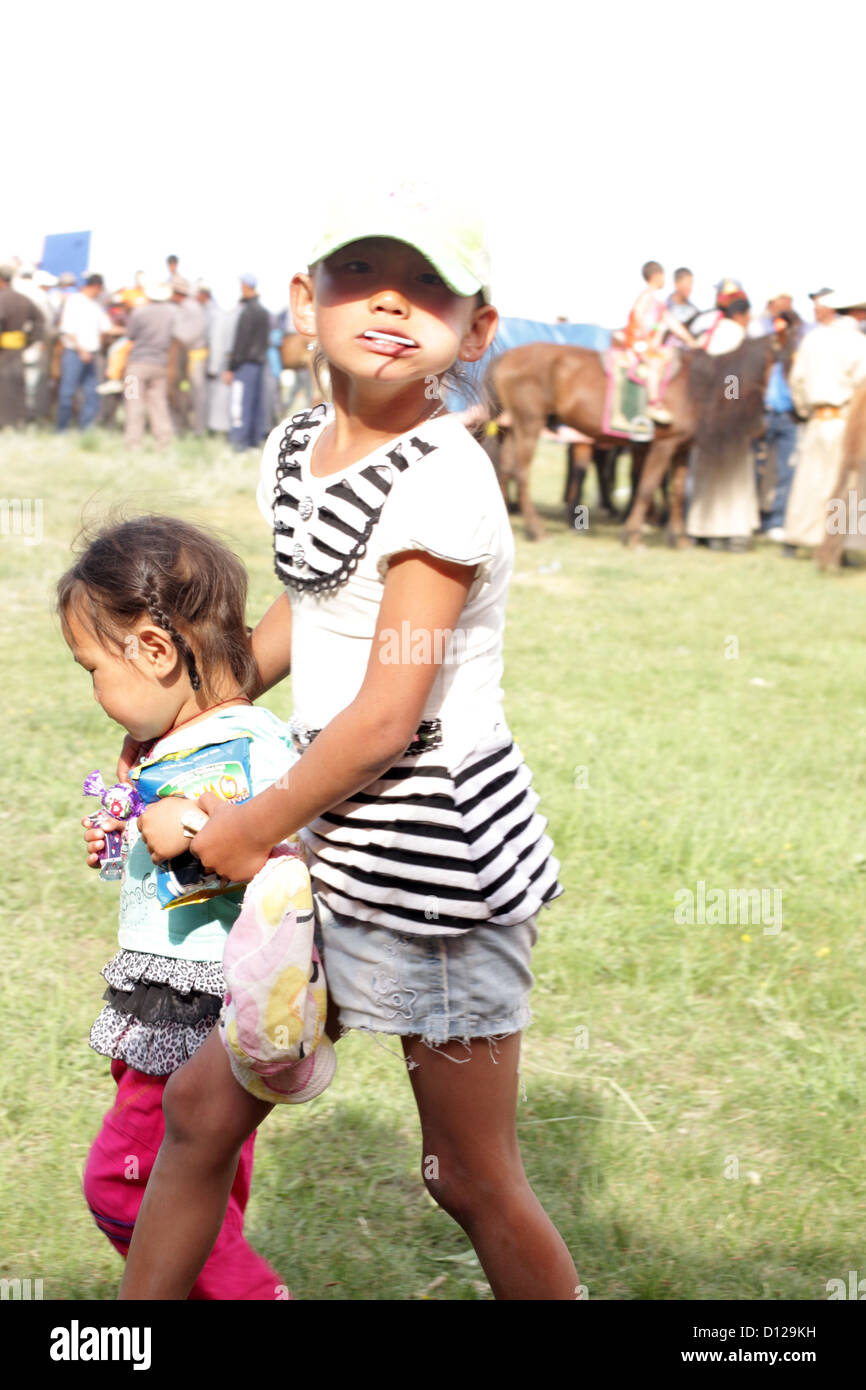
x=318 y=544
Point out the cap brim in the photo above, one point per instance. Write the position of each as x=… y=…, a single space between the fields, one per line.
x=459 y=279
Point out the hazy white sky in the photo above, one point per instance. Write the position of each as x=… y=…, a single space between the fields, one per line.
x=725 y=136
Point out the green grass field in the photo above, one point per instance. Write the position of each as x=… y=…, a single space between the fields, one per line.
x=692 y=1102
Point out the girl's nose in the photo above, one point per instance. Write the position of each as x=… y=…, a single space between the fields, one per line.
x=390 y=301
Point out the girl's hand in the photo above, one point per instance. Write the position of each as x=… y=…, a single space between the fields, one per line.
x=224 y=846
x=161 y=827
x=94 y=836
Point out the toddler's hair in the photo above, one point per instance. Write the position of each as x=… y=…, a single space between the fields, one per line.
x=188 y=582
x=650 y=268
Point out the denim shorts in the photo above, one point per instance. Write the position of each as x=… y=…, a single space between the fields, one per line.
x=475 y=985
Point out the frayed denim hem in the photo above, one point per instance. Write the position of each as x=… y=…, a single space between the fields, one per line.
x=435 y=1044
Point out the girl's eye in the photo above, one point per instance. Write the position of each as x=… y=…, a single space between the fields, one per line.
x=431 y=278
x=355 y=267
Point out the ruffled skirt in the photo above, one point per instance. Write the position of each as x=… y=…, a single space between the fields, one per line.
x=158 y=1010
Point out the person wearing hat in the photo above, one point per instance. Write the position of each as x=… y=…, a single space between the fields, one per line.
x=246 y=366
x=190 y=352
x=20 y=325
x=829 y=366
x=430 y=864
x=704 y=326
x=823 y=314
x=151 y=328
x=779 y=303
x=83 y=326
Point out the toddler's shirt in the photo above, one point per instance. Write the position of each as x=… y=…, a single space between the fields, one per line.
x=197 y=931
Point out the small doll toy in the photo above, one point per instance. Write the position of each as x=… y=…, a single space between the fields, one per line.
x=120 y=802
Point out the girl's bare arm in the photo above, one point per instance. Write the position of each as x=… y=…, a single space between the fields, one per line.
x=367 y=737
x=272 y=645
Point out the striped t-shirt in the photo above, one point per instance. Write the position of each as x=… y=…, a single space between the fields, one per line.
x=449 y=838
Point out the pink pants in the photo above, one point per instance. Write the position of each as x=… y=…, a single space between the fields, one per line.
x=116 y=1174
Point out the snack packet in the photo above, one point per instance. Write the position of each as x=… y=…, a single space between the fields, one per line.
x=222 y=768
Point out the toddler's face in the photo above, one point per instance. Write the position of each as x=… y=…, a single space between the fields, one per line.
x=383 y=313
x=126 y=683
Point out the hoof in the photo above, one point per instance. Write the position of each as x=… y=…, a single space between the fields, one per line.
x=633 y=540
x=828 y=558
x=678 y=540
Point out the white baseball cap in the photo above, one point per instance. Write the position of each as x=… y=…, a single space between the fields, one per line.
x=448 y=233
x=846 y=299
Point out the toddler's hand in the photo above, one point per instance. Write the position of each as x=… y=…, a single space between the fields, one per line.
x=161 y=827
x=94 y=836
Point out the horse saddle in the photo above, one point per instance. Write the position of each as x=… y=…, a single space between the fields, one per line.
x=627 y=396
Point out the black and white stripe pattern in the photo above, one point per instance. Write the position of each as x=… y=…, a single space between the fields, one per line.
x=434 y=852
x=342 y=522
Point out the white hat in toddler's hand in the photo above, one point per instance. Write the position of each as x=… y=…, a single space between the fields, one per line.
x=447 y=232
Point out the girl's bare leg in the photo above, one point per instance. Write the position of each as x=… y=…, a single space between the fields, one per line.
x=208 y=1116
x=468 y=1124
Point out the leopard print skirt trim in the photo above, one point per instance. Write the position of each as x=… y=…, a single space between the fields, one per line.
x=158 y=1010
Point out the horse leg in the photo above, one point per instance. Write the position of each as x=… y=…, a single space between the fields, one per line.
x=578 y=456
x=507 y=468
x=651 y=474
x=676 y=535
x=526 y=434
x=605 y=471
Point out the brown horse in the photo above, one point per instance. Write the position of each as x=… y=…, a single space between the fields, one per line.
x=718 y=399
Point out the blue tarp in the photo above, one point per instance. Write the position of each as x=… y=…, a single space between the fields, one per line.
x=513 y=333
x=66 y=251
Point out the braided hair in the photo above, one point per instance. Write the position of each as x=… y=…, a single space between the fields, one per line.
x=183 y=578
x=162 y=620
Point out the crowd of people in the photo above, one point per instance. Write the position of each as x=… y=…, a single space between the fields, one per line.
x=177 y=361
x=180 y=363
x=781 y=483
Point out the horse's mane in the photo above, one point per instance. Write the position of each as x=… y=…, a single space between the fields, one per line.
x=727 y=393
